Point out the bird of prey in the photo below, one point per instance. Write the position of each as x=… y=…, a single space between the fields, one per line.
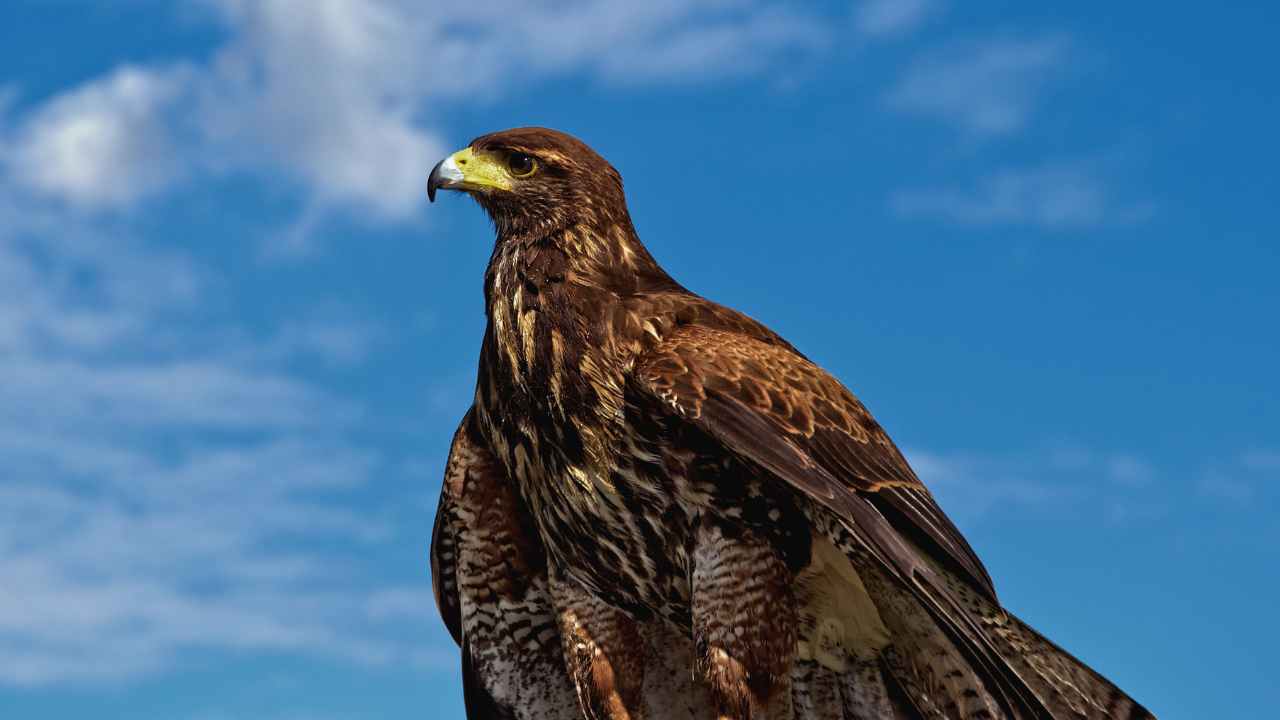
x=658 y=508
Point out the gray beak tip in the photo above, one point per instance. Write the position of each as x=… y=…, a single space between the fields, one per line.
x=434 y=181
x=446 y=174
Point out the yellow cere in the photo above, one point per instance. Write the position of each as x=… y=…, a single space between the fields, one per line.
x=481 y=170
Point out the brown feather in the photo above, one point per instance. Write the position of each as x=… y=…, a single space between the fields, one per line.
x=782 y=411
x=444 y=568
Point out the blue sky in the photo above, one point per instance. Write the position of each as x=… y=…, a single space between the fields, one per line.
x=1039 y=242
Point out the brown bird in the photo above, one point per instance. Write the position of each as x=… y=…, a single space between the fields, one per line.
x=650 y=484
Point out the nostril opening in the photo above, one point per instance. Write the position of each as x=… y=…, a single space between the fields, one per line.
x=462 y=162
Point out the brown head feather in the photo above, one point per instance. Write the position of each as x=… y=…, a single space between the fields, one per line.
x=571 y=184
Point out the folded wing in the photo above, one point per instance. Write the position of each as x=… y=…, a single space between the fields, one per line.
x=768 y=405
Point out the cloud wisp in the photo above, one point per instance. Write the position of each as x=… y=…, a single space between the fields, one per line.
x=106 y=144
x=1053 y=195
x=986 y=88
x=990 y=89
x=1245 y=481
x=970 y=486
x=892 y=18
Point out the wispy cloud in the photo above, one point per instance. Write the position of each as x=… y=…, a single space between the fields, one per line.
x=151 y=558
x=1244 y=480
x=1130 y=470
x=1055 y=195
x=890 y=18
x=106 y=144
x=166 y=482
x=1262 y=460
x=972 y=485
x=337 y=338
x=345 y=99
x=988 y=87
x=1116 y=487
x=1227 y=486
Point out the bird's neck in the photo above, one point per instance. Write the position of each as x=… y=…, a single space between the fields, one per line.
x=578 y=270
x=558 y=308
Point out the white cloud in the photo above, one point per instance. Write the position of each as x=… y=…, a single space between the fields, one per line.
x=344 y=98
x=1244 y=479
x=889 y=18
x=972 y=485
x=324 y=93
x=988 y=87
x=731 y=46
x=1229 y=487
x=1130 y=470
x=1262 y=460
x=106 y=144
x=1060 y=195
x=339 y=340
x=159 y=556
x=169 y=485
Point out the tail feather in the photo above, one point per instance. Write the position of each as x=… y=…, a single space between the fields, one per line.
x=911 y=700
x=955 y=653
x=815 y=692
x=863 y=691
x=1065 y=686
x=866 y=694
x=936 y=675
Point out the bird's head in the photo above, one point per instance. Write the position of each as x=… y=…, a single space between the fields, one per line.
x=533 y=181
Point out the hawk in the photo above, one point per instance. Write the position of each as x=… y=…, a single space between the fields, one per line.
x=656 y=507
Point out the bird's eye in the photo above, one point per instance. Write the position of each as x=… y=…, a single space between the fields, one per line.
x=520 y=164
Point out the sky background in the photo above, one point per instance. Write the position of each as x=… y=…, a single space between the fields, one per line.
x=1040 y=241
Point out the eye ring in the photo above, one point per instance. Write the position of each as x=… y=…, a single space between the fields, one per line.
x=521 y=164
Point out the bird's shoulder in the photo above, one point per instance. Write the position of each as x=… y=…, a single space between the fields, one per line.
x=715 y=356
x=763 y=400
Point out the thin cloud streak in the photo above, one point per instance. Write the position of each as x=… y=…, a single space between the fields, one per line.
x=106 y=144
x=1249 y=480
x=163 y=492
x=1056 y=196
x=973 y=487
x=892 y=18
x=987 y=88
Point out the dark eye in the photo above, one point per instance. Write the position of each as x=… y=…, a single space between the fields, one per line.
x=520 y=164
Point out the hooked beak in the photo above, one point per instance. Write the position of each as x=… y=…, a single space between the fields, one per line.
x=445 y=174
x=468 y=170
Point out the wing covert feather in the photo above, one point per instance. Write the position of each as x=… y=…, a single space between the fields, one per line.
x=767 y=402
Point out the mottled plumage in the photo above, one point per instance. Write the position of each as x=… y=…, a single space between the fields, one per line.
x=658 y=508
